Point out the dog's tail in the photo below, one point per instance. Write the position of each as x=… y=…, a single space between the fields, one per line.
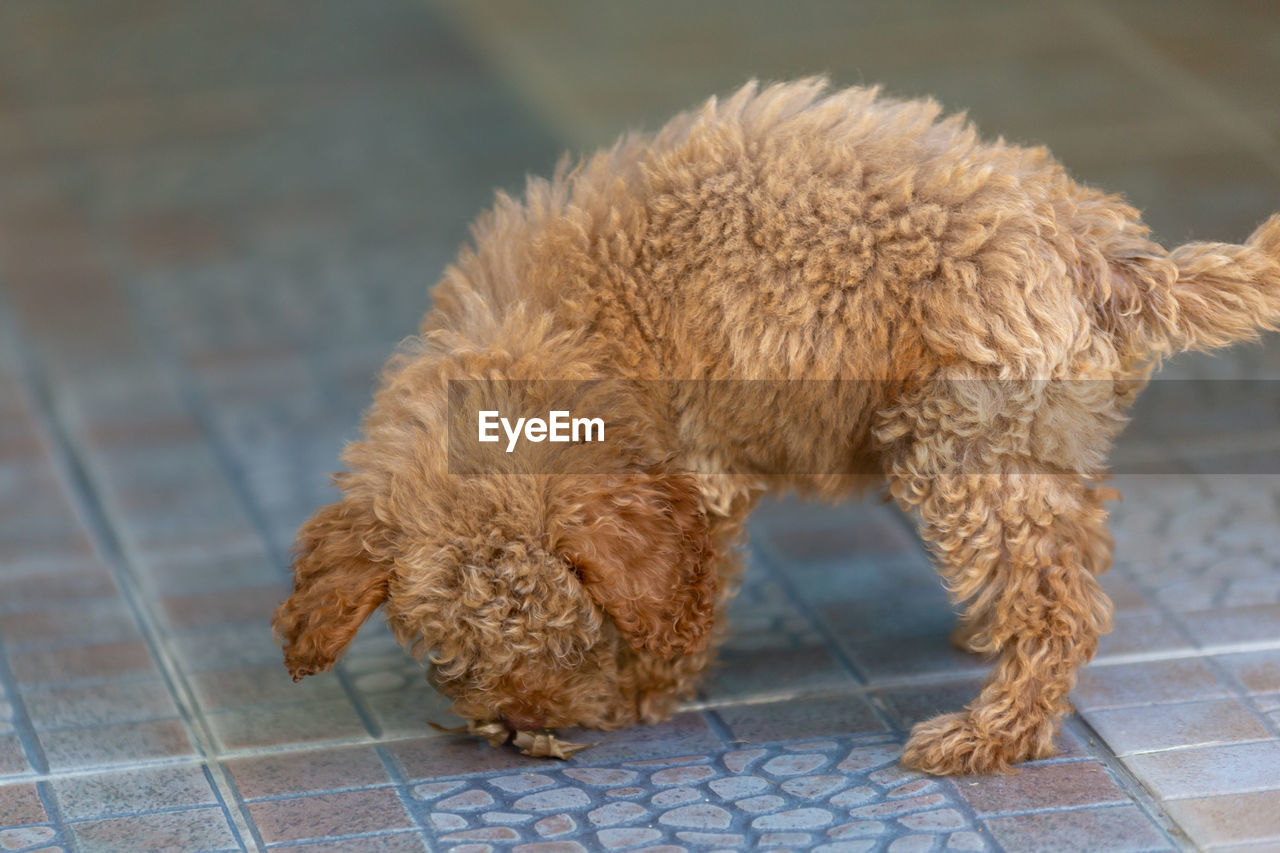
x=1226 y=293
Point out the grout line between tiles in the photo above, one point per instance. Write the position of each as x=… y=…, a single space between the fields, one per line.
x=402 y=786
x=1272 y=724
x=1242 y=694
x=142 y=812
x=53 y=810
x=960 y=803
x=902 y=682
x=302 y=795
x=241 y=806
x=1208 y=651
x=386 y=833
x=1085 y=807
x=193 y=398
x=1211 y=744
x=100 y=769
x=718 y=727
x=23 y=727
x=829 y=641
x=1138 y=793
x=69 y=462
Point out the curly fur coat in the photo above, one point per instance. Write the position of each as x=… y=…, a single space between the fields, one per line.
x=786 y=233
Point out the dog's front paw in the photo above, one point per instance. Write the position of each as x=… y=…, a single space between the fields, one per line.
x=952 y=745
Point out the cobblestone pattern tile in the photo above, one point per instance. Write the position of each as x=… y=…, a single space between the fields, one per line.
x=843 y=792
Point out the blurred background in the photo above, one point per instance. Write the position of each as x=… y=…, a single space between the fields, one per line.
x=218 y=218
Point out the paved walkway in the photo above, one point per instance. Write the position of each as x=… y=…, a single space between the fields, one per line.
x=216 y=219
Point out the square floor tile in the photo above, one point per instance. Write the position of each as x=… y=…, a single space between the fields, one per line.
x=409 y=711
x=907 y=706
x=177 y=528
x=1268 y=703
x=1146 y=683
x=138 y=789
x=763 y=617
x=225 y=647
x=234 y=565
x=1231 y=819
x=1234 y=624
x=439 y=755
x=800 y=718
x=1040 y=786
x=1204 y=771
x=98 y=703
x=1143 y=729
x=260 y=686
x=927 y=654
x=1136 y=631
x=119 y=743
x=104 y=661
x=685 y=732
x=108 y=620
x=44 y=538
x=740 y=673
x=846 y=538
x=278 y=725
x=1123 y=591
x=329 y=815
x=1122 y=829
x=193 y=829
x=22 y=591
x=401 y=842
x=306 y=772
x=244 y=604
x=877 y=601
x=1259 y=672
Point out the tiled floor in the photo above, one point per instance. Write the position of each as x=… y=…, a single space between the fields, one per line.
x=216 y=220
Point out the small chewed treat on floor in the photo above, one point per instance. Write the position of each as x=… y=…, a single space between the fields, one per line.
x=543 y=744
x=547 y=745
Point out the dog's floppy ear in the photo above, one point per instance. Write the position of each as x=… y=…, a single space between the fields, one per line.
x=341 y=572
x=641 y=545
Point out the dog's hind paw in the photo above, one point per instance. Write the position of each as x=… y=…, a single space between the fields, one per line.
x=951 y=745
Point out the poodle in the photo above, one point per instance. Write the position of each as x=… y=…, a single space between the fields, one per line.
x=877 y=296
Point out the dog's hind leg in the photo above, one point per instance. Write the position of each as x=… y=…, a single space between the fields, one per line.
x=1021 y=547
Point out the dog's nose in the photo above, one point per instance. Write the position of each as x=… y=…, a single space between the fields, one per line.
x=524 y=721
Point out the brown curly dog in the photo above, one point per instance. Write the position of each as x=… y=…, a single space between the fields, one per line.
x=781 y=235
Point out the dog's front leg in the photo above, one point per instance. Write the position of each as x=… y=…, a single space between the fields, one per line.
x=1021 y=548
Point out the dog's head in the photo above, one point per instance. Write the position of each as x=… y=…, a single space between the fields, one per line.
x=537 y=600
